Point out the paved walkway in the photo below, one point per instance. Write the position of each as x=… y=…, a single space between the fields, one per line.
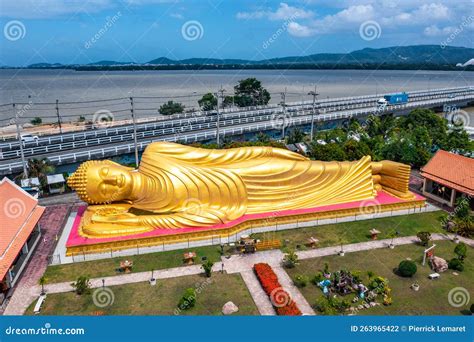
x=242 y=264
x=287 y=283
x=259 y=296
x=51 y=224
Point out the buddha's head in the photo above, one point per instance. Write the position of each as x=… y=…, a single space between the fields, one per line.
x=101 y=181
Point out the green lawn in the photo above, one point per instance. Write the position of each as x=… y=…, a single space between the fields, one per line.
x=431 y=299
x=141 y=263
x=329 y=235
x=162 y=299
x=357 y=231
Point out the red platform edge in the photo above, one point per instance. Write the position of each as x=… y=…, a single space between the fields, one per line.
x=75 y=239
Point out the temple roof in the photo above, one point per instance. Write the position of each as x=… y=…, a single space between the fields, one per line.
x=451 y=170
x=19 y=214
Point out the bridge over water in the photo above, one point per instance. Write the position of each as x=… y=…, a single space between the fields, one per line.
x=111 y=141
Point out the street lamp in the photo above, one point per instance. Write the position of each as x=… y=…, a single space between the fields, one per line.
x=313 y=94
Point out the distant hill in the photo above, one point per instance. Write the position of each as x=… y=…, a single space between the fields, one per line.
x=433 y=57
x=433 y=54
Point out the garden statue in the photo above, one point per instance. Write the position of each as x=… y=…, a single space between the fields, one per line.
x=177 y=186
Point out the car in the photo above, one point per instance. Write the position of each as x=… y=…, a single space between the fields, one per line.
x=451 y=96
x=27 y=138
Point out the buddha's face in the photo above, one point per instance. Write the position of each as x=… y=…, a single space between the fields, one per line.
x=106 y=182
x=109 y=182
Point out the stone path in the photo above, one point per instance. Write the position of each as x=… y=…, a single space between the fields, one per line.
x=242 y=264
x=259 y=296
x=287 y=283
x=51 y=224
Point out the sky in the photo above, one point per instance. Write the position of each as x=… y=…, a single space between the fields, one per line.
x=81 y=32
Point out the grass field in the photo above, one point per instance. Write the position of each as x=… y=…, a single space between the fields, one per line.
x=431 y=299
x=162 y=299
x=357 y=231
x=329 y=235
x=141 y=263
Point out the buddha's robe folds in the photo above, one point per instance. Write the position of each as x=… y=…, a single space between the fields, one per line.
x=192 y=187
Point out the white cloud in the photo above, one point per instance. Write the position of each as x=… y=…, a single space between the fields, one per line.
x=283 y=12
x=433 y=18
x=298 y=30
x=435 y=31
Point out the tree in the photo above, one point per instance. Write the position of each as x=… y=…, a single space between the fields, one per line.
x=407 y=268
x=424 y=237
x=42 y=282
x=208 y=102
x=355 y=150
x=207 y=266
x=263 y=138
x=461 y=251
x=328 y=152
x=171 y=107
x=81 y=285
x=249 y=92
x=296 y=135
x=36 y=121
x=39 y=167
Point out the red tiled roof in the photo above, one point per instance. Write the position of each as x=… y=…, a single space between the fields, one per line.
x=19 y=214
x=452 y=170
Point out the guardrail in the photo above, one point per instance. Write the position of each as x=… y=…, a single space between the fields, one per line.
x=334 y=103
x=178 y=120
x=303 y=119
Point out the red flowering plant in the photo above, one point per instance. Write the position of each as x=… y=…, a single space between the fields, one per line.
x=280 y=298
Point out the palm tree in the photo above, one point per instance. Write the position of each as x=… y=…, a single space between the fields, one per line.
x=42 y=281
x=39 y=167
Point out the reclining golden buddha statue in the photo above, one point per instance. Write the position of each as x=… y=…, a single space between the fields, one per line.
x=177 y=186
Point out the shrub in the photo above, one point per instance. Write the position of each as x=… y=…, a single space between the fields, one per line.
x=456 y=264
x=301 y=280
x=424 y=237
x=407 y=268
x=188 y=300
x=207 y=266
x=81 y=285
x=461 y=250
x=317 y=278
x=290 y=260
x=36 y=121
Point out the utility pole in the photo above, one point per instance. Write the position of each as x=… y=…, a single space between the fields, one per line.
x=59 y=118
x=220 y=100
x=283 y=104
x=132 y=110
x=18 y=134
x=313 y=94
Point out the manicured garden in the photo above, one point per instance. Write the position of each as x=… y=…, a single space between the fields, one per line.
x=328 y=235
x=141 y=263
x=165 y=298
x=357 y=231
x=381 y=271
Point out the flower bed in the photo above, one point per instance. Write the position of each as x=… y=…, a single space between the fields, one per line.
x=281 y=299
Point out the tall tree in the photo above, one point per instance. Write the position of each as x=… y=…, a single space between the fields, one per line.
x=208 y=102
x=249 y=92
